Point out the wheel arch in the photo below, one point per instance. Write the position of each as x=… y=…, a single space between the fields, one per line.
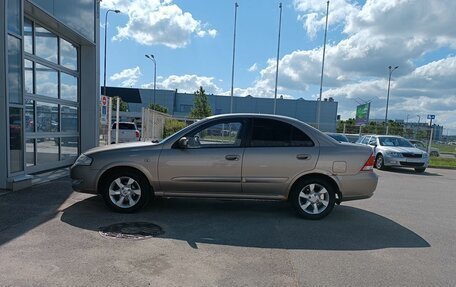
x=102 y=177
x=321 y=176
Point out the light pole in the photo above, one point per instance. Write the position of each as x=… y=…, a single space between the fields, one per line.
x=152 y=58
x=391 y=69
x=322 y=67
x=277 y=63
x=236 y=5
x=104 y=70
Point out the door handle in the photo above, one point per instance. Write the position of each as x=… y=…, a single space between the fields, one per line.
x=303 y=156
x=232 y=157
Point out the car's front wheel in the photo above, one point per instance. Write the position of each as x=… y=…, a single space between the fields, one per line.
x=125 y=191
x=379 y=162
x=313 y=198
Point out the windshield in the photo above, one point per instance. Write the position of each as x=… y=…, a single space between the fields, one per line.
x=394 y=141
x=338 y=137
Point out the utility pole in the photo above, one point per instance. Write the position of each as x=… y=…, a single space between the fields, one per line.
x=322 y=67
x=234 y=52
x=277 y=63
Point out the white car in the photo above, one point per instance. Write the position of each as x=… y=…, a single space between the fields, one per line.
x=395 y=151
x=128 y=132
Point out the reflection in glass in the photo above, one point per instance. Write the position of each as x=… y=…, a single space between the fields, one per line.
x=46 y=81
x=15 y=136
x=47 y=117
x=69 y=147
x=28 y=36
x=47 y=150
x=14 y=70
x=72 y=12
x=30 y=152
x=69 y=119
x=46 y=44
x=68 y=55
x=29 y=116
x=28 y=72
x=14 y=16
x=68 y=87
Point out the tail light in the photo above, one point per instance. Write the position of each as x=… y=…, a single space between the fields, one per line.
x=369 y=165
x=137 y=134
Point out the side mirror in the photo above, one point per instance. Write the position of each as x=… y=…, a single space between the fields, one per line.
x=183 y=143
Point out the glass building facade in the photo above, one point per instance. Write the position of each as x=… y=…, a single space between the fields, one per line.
x=49 y=85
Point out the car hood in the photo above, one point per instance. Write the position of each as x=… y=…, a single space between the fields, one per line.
x=112 y=147
x=402 y=149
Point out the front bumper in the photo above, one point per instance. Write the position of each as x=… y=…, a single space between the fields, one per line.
x=84 y=179
x=405 y=162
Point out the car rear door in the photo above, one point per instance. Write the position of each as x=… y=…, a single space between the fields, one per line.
x=210 y=165
x=275 y=153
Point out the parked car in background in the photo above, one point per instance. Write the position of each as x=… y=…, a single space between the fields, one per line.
x=338 y=137
x=395 y=151
x=262 y=157
x=352 y=137
x=128 y=132
x=423 y=147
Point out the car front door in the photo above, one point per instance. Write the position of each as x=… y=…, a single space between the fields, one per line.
x=210 y=163
x=275 y=154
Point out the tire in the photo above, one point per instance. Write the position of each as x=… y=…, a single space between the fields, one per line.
x=125 y=191
x=379 y=162
x=313 y=198
x=434 y=153
x=420 y=169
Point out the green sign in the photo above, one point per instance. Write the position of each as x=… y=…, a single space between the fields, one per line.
x=362 y=114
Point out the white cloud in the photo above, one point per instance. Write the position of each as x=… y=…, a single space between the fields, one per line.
x=187 y=84
x=129 y=77
x=152 y=22
x=253 y=68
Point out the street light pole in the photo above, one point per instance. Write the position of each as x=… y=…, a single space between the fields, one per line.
x=322 y=67
x=104 y=68
x=391 y=69
x=236 y=5
x=152 y=58
x=277 y=62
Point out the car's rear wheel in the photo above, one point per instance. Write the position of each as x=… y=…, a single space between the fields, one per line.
x=420 y=169
x=379 y=162
x=125 y=191
x=313 y=198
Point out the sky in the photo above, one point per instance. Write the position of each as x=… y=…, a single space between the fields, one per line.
x=192 y=42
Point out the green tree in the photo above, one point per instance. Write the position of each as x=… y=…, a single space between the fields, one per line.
x=123 y=106
x=201 y=108
x=158 y=108
x=172 y=126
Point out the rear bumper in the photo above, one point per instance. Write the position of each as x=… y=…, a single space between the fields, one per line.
x=358 y=186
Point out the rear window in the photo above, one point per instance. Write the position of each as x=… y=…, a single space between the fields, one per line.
x=273 y=133
x=125 y=126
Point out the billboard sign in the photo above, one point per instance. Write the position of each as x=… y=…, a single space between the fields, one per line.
x=362 y=114
x=104 y=110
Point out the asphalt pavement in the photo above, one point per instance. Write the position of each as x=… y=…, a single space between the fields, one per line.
x=403 y=236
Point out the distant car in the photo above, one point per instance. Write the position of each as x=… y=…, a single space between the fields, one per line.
x=423 y=147
x=352 y=137
x=395 y=151
x=128 y=132
x=338 y=137
x=263 y=157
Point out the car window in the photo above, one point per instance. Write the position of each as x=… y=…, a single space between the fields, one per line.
x=394 y=141
x=365 y=140
x=226 y=134
x=373 y=141
x=125 y=126
x=273 y=133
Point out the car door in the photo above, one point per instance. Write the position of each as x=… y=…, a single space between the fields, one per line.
x=211 y=163
x=275 y=154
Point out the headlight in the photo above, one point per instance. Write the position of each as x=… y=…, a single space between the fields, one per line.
x=394 y=154
x=83 y=160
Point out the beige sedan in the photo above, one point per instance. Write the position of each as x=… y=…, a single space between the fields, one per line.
x=243 y=156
